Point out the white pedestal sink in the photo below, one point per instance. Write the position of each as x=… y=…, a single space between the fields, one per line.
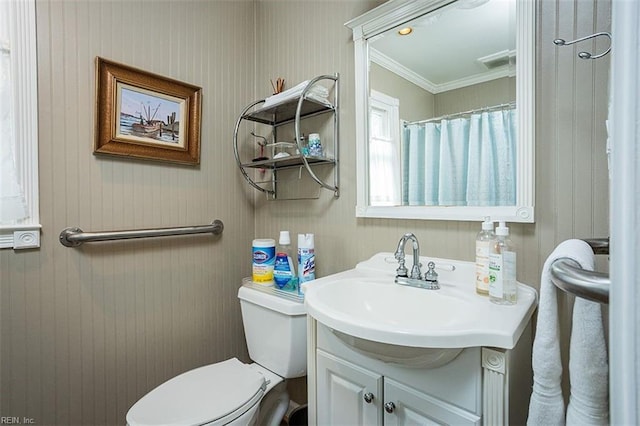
x=365 y=302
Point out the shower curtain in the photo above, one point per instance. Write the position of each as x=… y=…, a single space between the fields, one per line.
x=461 y=162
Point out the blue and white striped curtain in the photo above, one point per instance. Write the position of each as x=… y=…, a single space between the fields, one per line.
x=461 y=162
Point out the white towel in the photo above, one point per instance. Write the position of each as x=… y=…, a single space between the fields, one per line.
x=317 y=92
x=547 y=404
x=588 y=367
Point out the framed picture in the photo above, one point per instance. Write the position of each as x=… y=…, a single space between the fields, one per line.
x=147 y=116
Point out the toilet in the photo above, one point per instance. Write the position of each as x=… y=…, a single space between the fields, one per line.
x=232 y=392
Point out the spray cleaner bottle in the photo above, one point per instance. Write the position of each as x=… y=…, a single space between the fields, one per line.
x=306 y=258
x=483 y=248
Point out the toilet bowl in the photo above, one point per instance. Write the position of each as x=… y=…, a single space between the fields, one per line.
x=232 y=392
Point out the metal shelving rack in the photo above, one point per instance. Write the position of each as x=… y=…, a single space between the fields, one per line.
x=286 y=112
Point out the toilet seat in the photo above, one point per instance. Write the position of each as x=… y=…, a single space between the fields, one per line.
x=213 y=394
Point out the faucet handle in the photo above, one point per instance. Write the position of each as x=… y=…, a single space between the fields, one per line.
x=431 y=274
x=402 y=270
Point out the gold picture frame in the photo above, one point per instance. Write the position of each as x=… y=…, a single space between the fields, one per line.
x=146 y=116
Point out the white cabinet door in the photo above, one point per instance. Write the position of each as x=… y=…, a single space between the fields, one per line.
x=347 y=394
x=406 y=406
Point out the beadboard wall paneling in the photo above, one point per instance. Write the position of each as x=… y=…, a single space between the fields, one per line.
x=571 y=173
x=87 y=331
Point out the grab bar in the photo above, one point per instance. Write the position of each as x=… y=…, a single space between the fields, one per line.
x=567 y=275
x=73 y=237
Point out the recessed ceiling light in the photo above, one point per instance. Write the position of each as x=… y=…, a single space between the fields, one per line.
x=405 y=31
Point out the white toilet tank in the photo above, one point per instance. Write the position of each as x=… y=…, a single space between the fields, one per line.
x=276 y=331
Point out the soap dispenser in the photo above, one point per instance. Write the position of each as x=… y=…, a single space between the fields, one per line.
x=503 y=288
x=483 y=248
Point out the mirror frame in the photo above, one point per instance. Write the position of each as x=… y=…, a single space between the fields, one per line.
x=396 y=12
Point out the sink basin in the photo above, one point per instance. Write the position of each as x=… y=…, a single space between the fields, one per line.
x=363 y=306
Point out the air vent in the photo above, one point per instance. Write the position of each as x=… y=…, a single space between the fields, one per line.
x=499 y=59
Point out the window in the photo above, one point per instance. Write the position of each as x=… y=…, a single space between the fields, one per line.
x=384 y=150
x=19 y=218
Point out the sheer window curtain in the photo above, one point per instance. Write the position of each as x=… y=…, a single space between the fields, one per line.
x=12 y=200
x=384 y=150
x=463 y=161
x=19 y=201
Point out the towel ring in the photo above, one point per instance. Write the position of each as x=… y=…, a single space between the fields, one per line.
x=586 y=55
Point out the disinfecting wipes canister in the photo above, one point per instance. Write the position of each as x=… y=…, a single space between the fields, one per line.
x=264 y=259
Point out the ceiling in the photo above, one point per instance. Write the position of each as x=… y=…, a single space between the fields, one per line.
x=464 y=43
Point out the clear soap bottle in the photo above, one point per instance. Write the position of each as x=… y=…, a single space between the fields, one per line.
x=483 y=248
x=503 y=288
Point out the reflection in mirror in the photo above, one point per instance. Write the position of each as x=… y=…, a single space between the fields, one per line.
x=446 y=132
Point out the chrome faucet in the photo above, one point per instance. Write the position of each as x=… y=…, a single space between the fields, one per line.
x=399 y=255
x=415 y=279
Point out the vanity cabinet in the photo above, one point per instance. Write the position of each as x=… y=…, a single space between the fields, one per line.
x=263 y=172
x=353 y=395
x=478 y=387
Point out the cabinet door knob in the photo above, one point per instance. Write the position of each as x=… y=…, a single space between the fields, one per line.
x=368 y=397
x=389 y=407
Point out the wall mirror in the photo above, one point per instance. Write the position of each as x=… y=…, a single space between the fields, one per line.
x=445 y=113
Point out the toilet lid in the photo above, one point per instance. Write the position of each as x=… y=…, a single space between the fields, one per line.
x=200 y=396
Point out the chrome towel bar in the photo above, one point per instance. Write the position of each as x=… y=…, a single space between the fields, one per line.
x=598 y=245
x=567 y=275
x=73 y=237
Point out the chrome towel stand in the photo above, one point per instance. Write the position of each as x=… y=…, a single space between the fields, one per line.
x=567 y=275
x=586 y=55
x=73 y=237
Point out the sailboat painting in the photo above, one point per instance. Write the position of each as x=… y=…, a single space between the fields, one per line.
x=149 y=117
x=141 y=115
